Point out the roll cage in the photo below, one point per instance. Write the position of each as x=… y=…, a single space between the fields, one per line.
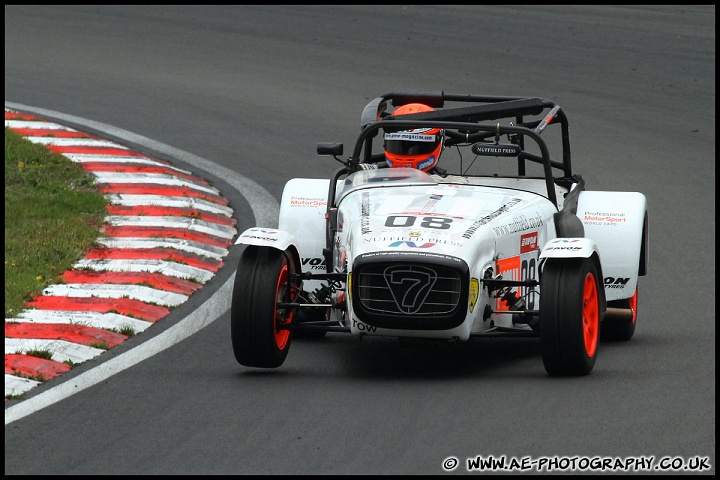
x=468 y=124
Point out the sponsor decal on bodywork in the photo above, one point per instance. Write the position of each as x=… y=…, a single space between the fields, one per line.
x=410 y=213
x=519 y=223
x=262 y=234
x=411 y=244
x=521 y=267
x=413 y=254
x=363 y=327
x=260 y=238
x=365 y=214
x=488 y=218
x=561 y=244
x=474 y=292
x=604 y=218
x=612 y=282
x=307 y=202
x=316 y=263
x=529 y=242
x=430 y=205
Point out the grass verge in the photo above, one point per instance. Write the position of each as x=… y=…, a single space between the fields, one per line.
x=53 y=213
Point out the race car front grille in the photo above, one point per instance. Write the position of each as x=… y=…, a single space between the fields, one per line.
x=409 y=289
x=405 y=291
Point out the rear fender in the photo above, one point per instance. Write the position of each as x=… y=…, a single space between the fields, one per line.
x=618 y=223
x=302 y=213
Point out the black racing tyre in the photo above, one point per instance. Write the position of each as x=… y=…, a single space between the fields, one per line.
x=570 y=311
x=621 y=329
x=261 y=282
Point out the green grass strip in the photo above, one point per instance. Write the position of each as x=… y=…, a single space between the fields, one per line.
x=53 y=213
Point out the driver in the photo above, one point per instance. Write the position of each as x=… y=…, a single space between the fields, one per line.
x=418 y=148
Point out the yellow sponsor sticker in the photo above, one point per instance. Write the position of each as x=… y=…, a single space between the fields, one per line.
x=474 y=291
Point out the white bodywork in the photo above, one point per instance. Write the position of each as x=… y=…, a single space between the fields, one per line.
x=615 y=220
x=493 y=225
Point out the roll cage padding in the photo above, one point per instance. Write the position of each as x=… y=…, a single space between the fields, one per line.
x=478 y=113
x=437 y=98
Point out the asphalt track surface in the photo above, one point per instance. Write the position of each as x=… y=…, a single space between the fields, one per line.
x=240 y=96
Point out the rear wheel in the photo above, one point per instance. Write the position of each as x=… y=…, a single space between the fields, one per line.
x=569 y=315
x=261 y=282
x=621 y=329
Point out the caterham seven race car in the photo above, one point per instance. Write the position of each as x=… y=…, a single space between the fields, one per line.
x=449 y=220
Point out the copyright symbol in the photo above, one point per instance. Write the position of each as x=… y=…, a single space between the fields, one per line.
x=450 y=463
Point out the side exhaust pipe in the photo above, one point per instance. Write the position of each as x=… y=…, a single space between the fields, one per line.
x=619 y=313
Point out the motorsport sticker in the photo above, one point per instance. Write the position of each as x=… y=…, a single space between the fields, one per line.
x=604 y=218
x=307 y=202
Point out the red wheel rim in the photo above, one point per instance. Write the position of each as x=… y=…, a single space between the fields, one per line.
x=633 y=305
x=590 y=316
x=281 y=336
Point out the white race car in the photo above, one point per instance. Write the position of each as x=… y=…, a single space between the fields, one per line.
x=497 y=238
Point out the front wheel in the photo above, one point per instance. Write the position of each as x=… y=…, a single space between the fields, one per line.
x=570 y=311
x=261 y=282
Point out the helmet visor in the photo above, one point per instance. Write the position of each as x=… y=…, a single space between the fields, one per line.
x=406 y=143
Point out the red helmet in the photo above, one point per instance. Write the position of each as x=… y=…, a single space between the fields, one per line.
x=416 y=148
